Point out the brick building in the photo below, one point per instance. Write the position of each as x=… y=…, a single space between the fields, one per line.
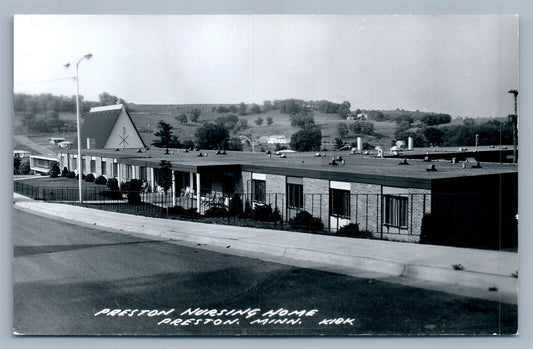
x=387 y=197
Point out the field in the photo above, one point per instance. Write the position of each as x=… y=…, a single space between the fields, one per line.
x=146 y=118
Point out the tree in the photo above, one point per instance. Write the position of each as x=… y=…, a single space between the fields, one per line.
x=270 y=121
x=342 y=130
x=259 y=121
x=267 y=105
x=302 y=120
x=306 y=139
x=195 y=114
x=164 y=179
x=182 y=119
x=241 y=125
x=255 y=109
x=235 y=144
x=229 y=121
x=242 y=109
x=434 y=136
x=166 y=139
x=212 y=136
x=105 y=98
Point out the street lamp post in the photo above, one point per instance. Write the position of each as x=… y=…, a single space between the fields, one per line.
x=80 y=162
x=514 y=120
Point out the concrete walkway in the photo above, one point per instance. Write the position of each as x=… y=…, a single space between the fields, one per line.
x=486 y=274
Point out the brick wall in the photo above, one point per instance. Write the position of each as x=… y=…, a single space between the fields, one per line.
x=366 y=206
x=316 y=201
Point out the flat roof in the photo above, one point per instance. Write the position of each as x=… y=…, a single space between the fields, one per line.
x=356 y=168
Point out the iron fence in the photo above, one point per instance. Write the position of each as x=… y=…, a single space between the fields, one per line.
x=465 y=217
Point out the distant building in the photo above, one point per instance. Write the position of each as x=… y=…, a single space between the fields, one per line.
x=278 y=139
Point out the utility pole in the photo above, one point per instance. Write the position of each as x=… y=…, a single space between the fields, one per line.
x=514 y=119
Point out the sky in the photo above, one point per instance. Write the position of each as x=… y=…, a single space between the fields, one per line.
x=460 y=65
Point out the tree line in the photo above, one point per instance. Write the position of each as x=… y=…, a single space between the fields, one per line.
x=493 y=132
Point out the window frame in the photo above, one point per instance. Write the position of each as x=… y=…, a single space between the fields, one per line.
x=258 y=194
x=295 y=196
x=395 y=211
x=334 y=195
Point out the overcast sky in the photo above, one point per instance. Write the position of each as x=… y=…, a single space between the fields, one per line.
x=461 y=65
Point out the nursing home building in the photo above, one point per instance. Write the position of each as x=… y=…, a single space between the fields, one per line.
x=386 y=197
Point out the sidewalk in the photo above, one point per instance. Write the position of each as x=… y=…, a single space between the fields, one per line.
x=416 y=265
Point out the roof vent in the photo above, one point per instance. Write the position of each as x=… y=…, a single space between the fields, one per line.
x=427 y=159
x=404 y=162
x=477 y=165
x=431 y=168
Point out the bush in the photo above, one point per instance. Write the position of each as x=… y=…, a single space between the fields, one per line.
x=352 y=230
x=100 y=180
x=89 y=178
x=133 y=187
x=82 y=176
x=54 y=170
x=217 y=211
x=112 y=183
x=65 y=172
x=180 y=211
x=235 y=205
x=71 y=174
x=305 y=221
x=264 y=213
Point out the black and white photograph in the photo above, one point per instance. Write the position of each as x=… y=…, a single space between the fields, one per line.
x=265 y=175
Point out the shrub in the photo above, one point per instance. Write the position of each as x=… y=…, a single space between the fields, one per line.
x=54 y=170
x=82 y=176
x=264 y=213
x=305 y=221
x=217 y=211
x=352 y=230
x=235 y=205
x=112 y=183
x=89 y=178
x=100 y=180
x=65 y=172
x=180 y=211
x=134 y=187
x=71 y=174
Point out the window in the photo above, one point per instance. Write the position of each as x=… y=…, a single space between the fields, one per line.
x=339 y=203
x=104 y=168
x=258 y=190
x=395 y=211
x=115 y=170
x=93 y=166
x=295 y=196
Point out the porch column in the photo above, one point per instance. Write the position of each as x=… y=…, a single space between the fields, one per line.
x=152 y=179
x=191 y=180
x=173 y=188
x=198 y=198
x=119 y=173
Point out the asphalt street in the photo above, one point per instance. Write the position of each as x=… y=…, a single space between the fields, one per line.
x=74 y=280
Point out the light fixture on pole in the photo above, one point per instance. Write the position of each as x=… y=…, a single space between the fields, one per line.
x=514 y=120
x=79 y=162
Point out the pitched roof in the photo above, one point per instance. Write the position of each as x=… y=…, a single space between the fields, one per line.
x=98 y=124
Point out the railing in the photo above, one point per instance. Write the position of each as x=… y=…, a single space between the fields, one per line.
x=459 y=219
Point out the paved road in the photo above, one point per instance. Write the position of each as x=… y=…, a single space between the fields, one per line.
x=70 y=279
